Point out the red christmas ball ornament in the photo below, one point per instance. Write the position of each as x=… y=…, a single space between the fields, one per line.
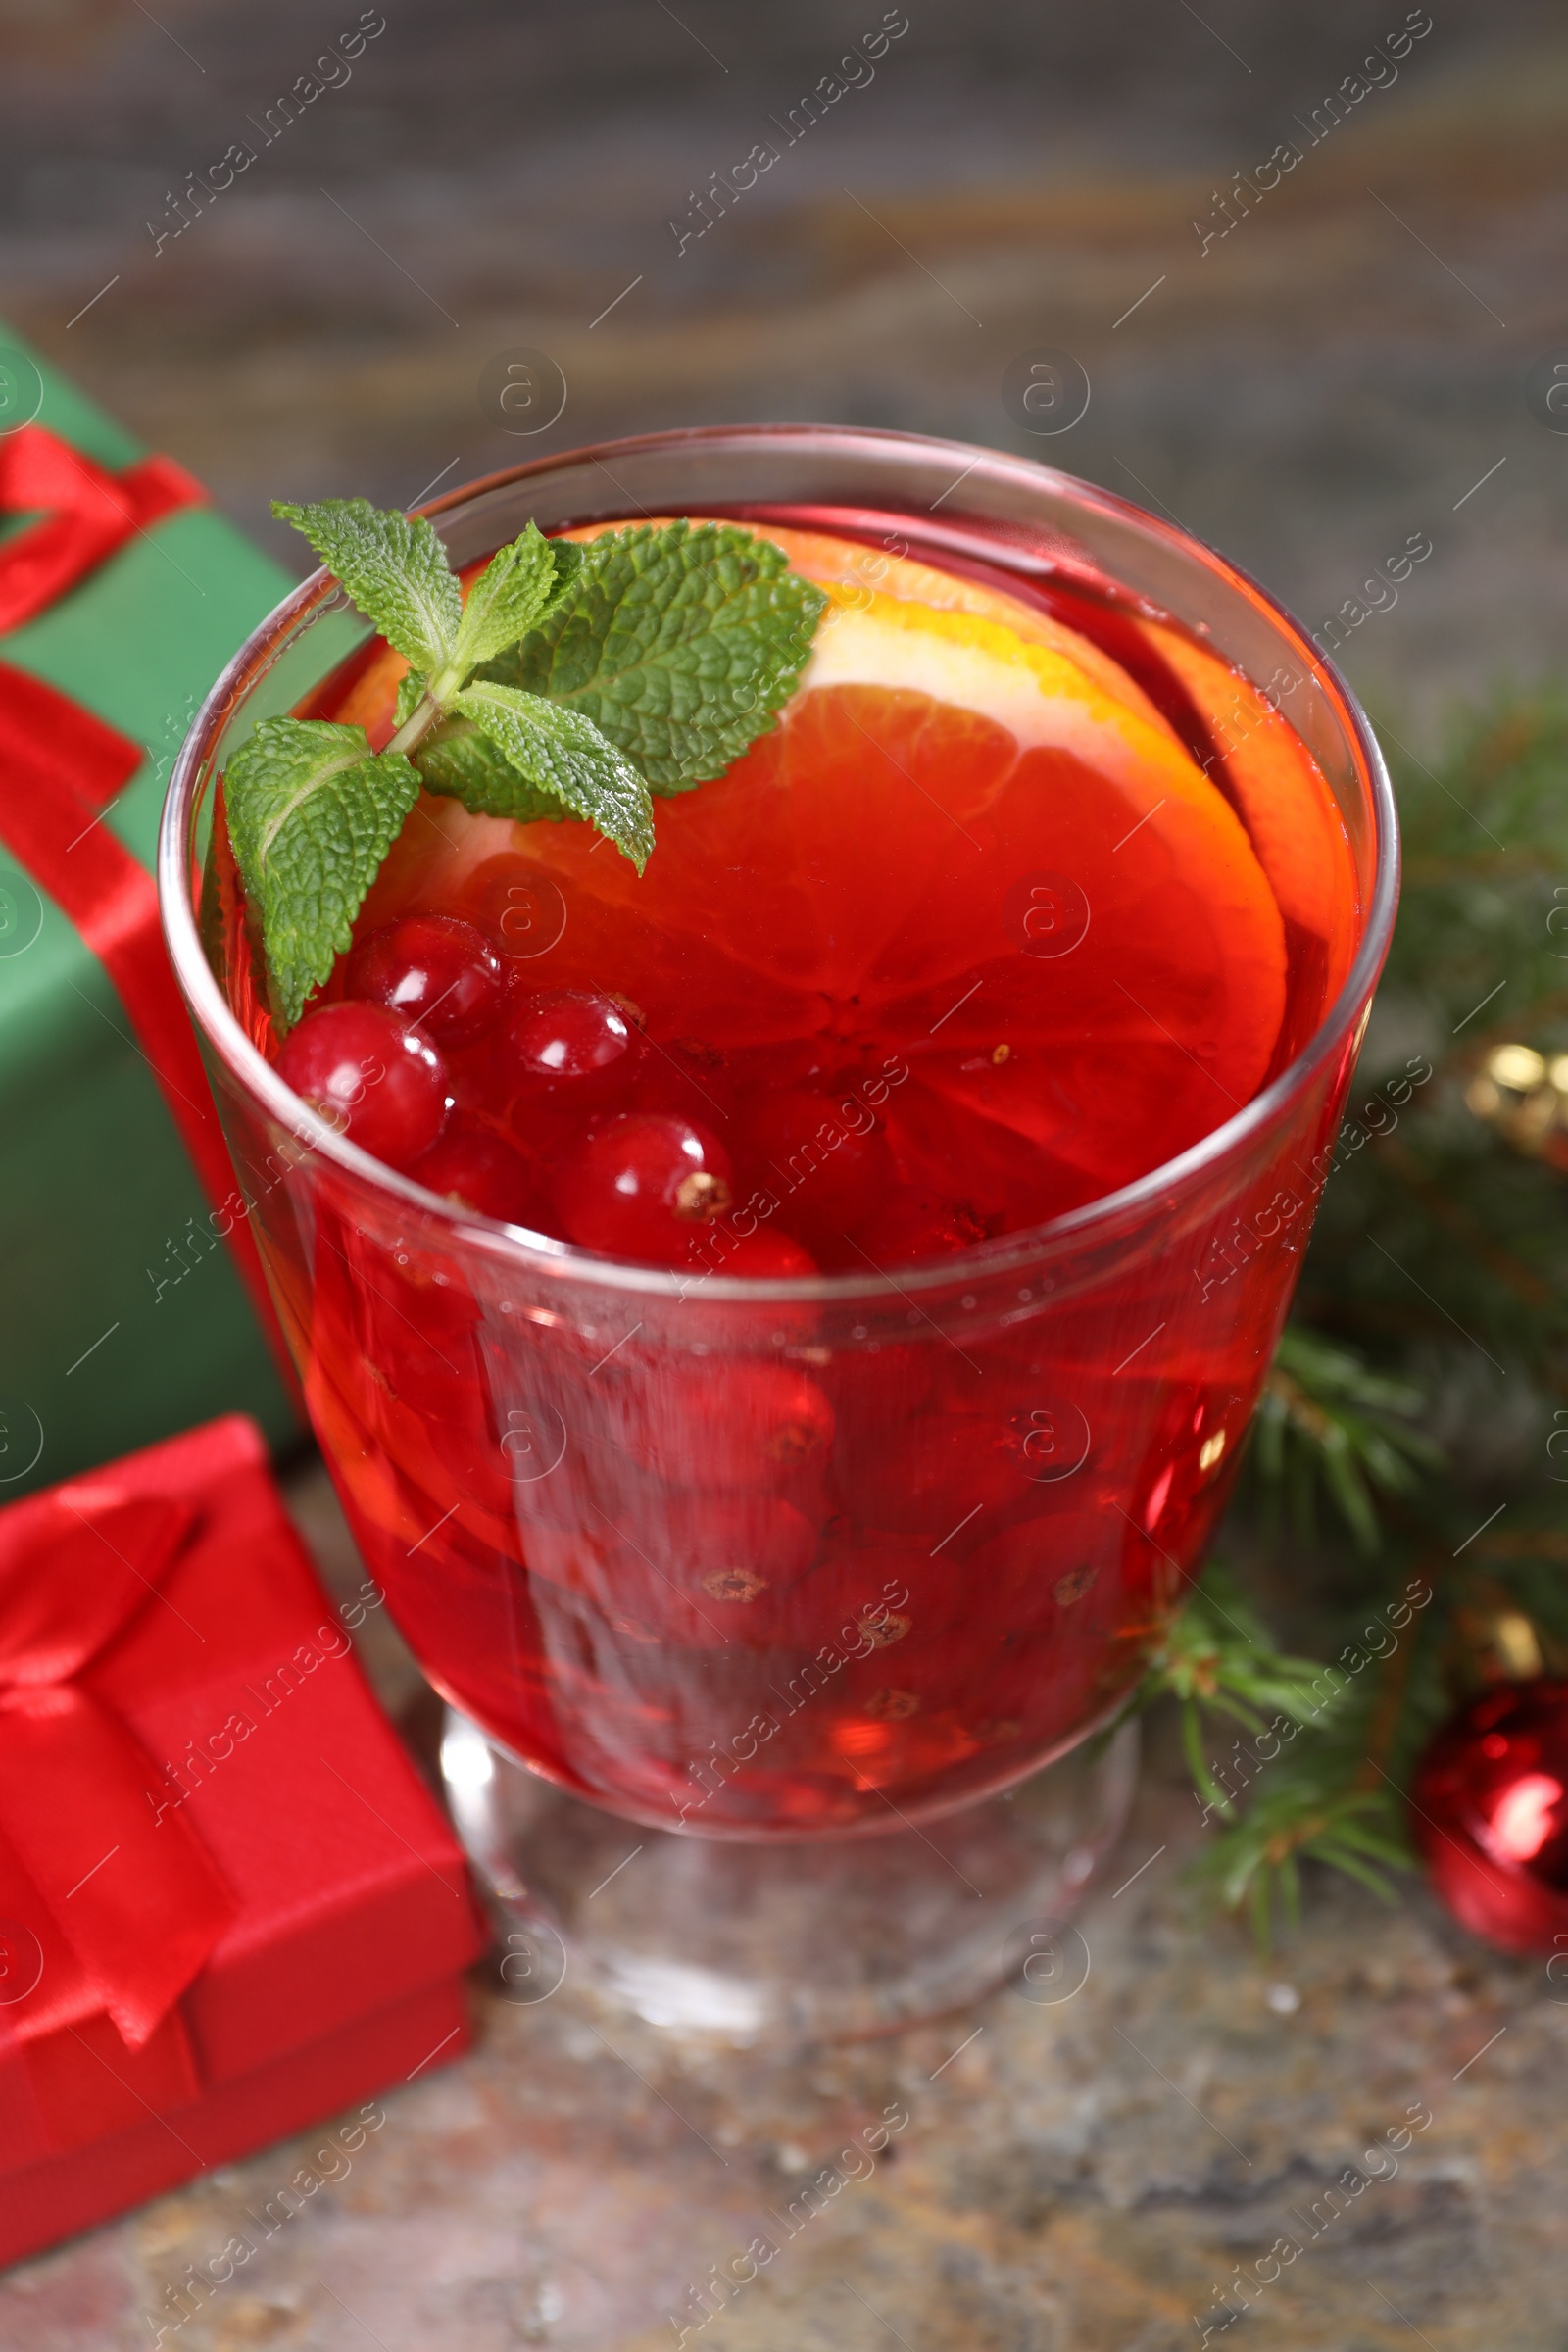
x=1490 y=1814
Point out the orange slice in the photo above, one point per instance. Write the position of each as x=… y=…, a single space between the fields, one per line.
x=1291 y=815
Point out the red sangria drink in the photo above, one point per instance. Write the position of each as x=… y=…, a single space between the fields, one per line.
x=783 y=1321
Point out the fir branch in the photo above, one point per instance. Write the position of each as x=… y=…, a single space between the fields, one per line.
x=1435 y=1296
x=1328 y=1423
x=1215 y=1657
x=1479 y=956
x=1320 y=1776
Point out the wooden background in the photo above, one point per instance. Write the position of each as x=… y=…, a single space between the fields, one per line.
x=1333 y=376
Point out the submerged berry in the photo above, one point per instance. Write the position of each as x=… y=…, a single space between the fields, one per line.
x=569 y=1033
x=756 y=1428
x=474 y=1169
x=434 y=969
x=518 y=904
x=642 y=1184
x=710 y=1569
x=946 y=1479
x=375 y=1078
x=764 y=1257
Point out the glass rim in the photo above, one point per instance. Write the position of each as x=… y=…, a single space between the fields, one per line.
x=999 y=1254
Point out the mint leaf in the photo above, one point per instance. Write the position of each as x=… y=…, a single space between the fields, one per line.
x=682 y=643
x=513 y=594
x=457 y=760
x=395 y=568
x=311 y=812
x=465 y=765
x=647 y=660
x=560 y=753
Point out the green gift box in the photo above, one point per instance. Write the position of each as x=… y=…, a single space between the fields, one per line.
x=123 y=595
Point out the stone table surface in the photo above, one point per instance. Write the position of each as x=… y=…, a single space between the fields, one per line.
x=1079 y=2177
x=1344 y=368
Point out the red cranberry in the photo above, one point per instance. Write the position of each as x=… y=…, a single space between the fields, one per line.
x=946 y=1478
x=714 y=1253
x=377 y=1080
x=762 y=1257
x=434 y=969
x=569 y=1033
x=738 y=1427
x=641 y=1185
x=1024 y=1577
x=862 y=1599
x=874 y=1390
x=476 y=1169
x=699 y=1537
x=712 y=1569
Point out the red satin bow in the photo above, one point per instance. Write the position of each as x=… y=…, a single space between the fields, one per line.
x=60 y=767
x=128 y=1905
x=87 y=512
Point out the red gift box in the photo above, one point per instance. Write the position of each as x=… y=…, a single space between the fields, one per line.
x=227 y=1904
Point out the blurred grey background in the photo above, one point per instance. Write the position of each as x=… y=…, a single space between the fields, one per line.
x=1334 y=374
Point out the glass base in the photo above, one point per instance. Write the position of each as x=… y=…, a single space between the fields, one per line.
x=790 y=1942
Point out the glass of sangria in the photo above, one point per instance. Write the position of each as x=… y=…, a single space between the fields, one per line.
x=785 y=1400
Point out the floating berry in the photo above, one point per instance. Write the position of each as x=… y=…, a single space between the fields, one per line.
x=640 y=1185
x=375 y=1078
x=715 y=1253
x=569 y=1033
x=434 y=969
x=704 y=1536
x=476 y=1169
x=640 y=1608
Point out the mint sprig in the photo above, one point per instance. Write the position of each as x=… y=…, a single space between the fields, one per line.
x=682 y=643
x=395 y=568
x=512 y=593
x=557 y=750
x=311 y=812
x=571 y=681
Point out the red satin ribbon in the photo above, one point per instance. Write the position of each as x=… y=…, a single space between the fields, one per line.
x=87 y=515
x=129 y=1905
x=60 y=767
